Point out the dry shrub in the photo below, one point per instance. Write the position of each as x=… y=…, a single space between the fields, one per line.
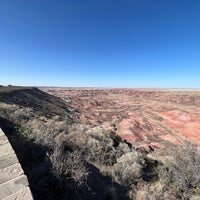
x=68 y=165
x=94 y=142
x=15 y=113
x=123 y=147
x=182 y=175
x=44 y=132
x=154 y=191
x=129 y=168
x=7 y=108
x=186 y=168
x=101 y=135
x=33 y=127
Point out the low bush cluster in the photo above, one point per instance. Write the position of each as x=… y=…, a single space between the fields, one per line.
x=182 y=173
x=68 y=165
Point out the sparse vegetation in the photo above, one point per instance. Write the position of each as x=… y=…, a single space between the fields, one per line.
x=129 y=168
x=67 y=165
x=182 y=174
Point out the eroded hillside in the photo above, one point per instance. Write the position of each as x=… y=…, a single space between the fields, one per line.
x=149 y=117
x=36 y=99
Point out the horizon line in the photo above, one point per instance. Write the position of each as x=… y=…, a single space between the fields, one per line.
x=102 y=87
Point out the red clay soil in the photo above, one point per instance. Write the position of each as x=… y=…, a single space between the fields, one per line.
x=143 y=116
x=184 y=123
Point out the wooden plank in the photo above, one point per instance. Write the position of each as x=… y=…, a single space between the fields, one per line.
x=10 y=187
x=3 y=140
x=8 y=160
x=24 y=194
x=6 y=149
x=10 y=172
x=13 y=182
x=1 y=132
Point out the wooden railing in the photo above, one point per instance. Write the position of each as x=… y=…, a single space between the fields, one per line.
x=13 y=182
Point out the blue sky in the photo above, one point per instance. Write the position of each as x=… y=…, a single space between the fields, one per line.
x=100 y=43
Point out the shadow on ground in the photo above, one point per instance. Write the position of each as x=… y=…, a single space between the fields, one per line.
x=44 y=185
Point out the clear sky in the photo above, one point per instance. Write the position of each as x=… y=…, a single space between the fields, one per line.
x=105 y=43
